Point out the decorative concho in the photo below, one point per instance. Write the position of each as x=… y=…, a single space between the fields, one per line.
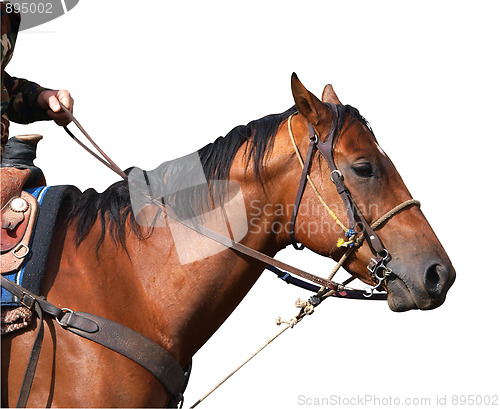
x=18 y=204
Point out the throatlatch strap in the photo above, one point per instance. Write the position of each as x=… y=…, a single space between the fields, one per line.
x=300 y=193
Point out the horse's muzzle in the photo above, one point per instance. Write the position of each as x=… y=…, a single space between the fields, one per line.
x=428 y=293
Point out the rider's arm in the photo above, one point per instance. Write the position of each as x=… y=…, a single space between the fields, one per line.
x=23 y=105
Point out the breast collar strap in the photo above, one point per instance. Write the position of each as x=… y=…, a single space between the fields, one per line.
x=327 y=149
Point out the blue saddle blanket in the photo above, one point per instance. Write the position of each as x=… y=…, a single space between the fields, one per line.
x=30 y=275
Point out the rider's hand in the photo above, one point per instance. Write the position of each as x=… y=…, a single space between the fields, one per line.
x=50 y=100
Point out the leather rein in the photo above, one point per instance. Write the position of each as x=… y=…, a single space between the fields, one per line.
x=377 y=267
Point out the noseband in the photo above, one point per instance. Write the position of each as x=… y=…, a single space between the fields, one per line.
x=377 y=267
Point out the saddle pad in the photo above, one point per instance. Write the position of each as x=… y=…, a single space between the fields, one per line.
x=30 y=275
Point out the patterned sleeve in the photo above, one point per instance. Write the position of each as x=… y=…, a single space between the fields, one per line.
x=23 y=104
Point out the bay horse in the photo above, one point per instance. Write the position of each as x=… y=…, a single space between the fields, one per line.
x=104 y=261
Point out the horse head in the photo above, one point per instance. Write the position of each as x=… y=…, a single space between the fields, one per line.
x=420 y=270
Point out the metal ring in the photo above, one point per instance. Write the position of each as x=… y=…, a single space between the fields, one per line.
x=368 y=293
x=386 y=254
x=64 y=310
x=338 y=172
x=314 y=139
x=380 y=278
x=19 y=247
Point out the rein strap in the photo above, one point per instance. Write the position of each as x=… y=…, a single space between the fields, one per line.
x=257 y=255
x=107 y=160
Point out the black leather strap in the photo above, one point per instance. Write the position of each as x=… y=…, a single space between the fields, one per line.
x=110 y=334
x=138 y=348
x=29 y=374
x=327 y=150
x=29 y=300
x=300 y=192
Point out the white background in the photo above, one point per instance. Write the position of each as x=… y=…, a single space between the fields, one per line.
x=156 y=80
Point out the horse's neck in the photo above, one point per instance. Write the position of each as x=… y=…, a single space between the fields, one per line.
x=180 y=302
x=188 y=302
x=194 y=296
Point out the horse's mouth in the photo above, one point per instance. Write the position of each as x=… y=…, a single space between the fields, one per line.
x=399 y=296
x=404 y=294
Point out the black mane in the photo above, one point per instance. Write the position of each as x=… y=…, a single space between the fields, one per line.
x=113 y=206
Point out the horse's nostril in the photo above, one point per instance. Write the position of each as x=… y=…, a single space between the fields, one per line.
x=432 y=278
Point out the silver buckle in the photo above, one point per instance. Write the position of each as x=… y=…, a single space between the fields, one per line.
x=338 y=172
x=27 y=300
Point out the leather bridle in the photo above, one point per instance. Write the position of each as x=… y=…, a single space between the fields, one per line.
x=378 y=264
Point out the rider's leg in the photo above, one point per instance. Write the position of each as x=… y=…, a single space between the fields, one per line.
x=18 y=170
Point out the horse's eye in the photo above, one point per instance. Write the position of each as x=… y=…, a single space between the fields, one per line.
x=363 y=169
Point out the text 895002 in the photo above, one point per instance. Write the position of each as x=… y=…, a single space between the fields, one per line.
x=29 y=8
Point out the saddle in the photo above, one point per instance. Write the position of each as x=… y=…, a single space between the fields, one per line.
x=18 y=209
x=18 y=219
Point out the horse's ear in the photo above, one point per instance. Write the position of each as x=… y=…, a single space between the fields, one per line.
x=330 y=96
x=307 y=104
